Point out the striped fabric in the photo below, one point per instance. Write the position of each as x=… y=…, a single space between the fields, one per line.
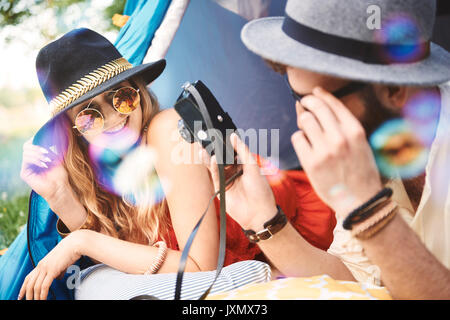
x=101 y=282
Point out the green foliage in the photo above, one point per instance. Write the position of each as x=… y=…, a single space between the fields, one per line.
x=13 y=217
x=10 y=98
x=13 y=12
x=116 y=7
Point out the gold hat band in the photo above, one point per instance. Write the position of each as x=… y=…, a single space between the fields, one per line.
x=88 y=82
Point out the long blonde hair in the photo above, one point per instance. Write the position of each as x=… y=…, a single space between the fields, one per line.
x=106 y=212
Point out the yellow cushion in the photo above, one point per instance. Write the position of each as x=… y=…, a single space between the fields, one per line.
x=319 y=287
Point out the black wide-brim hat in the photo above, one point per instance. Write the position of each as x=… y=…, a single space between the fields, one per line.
x=81 y=65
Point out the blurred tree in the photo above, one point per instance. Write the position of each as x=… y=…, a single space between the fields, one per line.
x=13 y=12
x=116 y=7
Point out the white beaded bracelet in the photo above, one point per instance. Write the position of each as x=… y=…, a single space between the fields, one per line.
x=159 y=259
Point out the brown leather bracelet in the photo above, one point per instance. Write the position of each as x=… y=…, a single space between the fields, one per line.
x=271 y=227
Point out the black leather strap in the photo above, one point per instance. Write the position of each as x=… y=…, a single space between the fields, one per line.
x=222 y=229
x=366 y=210
x=271 y=227
x=222 y=239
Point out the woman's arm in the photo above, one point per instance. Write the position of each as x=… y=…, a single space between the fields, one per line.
x=187 y=187
x=122 y=255
x=125 y=256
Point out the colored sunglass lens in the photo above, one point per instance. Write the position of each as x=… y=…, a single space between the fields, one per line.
x=89 y=121
x=126 y=100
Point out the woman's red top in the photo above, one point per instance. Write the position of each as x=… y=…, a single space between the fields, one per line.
x=313 y=219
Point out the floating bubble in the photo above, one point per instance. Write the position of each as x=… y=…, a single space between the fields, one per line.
x=274 y=175
x=397 y=149
x=403 y=38
x=136 y=178
x=106 y=147
x=107 y=151
x=422 y=111
x=54 y=138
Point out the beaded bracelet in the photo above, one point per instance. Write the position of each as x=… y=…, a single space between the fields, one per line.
x=159 y=259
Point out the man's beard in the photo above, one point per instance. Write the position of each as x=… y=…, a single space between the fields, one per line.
x=375 y=113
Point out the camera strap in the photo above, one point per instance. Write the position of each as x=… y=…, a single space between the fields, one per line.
x=220 y=192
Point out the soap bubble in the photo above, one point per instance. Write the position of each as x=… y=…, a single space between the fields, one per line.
x=401 y=38
x=398 y=150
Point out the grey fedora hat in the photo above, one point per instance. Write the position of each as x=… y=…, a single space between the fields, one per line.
x=381 y=41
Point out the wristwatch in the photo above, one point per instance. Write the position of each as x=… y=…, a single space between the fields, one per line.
x=271 y=227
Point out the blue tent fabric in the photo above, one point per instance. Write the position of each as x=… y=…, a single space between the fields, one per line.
x=136 y=35
x=207 y=46
x=36 y=240
x=40 y=237
x=15 y=261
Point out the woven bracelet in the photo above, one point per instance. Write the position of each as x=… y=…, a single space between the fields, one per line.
x=366 y=209
x=378 y=221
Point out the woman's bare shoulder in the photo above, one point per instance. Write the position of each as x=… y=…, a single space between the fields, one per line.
x=163 y=124
x=163 y=135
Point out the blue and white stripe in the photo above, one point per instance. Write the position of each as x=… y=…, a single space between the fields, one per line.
x=101 y=282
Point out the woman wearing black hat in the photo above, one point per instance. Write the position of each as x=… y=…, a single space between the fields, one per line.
x=102 y=112
x=101 y=100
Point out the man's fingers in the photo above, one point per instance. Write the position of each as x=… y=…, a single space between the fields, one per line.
x=327 y=119
x=299 y=109
x=312 y=129
x=340 y=110
x=301 y=146
x=245 y=156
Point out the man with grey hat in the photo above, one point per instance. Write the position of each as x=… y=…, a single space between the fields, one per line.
x=373 y=109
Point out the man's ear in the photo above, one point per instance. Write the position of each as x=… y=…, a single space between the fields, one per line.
x=391 y=96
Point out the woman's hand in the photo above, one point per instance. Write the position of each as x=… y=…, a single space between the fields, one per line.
x=44 y=175
x=334 y=152
x=250 y=201
x=52 y=266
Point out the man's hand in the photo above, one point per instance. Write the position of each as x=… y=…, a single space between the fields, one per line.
x=334 y=152
x=250 y=201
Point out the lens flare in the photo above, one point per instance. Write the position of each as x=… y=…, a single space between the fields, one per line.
x=397 y=149
x=422 y=111
x=401 y=35
x=136 y=178
x=107 y=151
x=274 y=175
x=54 y=139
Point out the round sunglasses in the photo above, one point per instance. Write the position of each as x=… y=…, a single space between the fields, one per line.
x=90 y=121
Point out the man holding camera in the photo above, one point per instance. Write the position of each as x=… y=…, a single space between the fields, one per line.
x=353 y=67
